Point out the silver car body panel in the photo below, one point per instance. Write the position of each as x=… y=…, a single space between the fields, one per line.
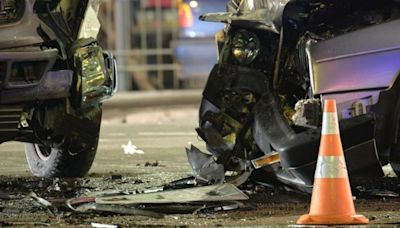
x=22 y=32
x=364 y=59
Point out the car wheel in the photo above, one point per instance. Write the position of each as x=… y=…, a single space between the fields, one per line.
x=69 y=158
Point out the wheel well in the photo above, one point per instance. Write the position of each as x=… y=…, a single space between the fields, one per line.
x=387 y=113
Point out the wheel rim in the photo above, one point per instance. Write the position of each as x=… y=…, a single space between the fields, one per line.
x=43 y=152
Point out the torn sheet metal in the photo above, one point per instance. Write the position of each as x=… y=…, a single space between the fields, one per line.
x=258 y=19
x=204 y=166
x=212 y=193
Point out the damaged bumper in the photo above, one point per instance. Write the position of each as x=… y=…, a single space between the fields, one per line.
x=298 y=151
x=26 y=76
x=260 y=124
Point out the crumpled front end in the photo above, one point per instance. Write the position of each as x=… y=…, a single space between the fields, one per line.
x=44 y=56
x=245 y=127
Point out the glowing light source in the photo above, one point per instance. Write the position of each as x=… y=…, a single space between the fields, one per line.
x=193 y=4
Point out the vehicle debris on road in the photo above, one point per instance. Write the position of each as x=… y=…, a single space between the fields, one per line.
x=154 y=203
x=44 y=203
x=204 y=167
x=99 y=225
x=129 y=148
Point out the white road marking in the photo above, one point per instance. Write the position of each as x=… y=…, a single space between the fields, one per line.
x=167 y=133
x=117 y=134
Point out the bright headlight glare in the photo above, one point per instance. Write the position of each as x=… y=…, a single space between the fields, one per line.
x=245 y=47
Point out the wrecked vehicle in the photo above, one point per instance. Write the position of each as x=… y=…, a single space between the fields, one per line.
x=278 y=61
x=54 y=76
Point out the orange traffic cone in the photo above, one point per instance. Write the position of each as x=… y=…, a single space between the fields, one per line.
x=331 y=201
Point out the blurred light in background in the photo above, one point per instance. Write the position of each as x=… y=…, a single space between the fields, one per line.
x=160 y=44
x=185 y=15
x=193 y=4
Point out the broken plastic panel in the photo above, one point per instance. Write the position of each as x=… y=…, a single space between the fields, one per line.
x=212 y=193
x=204 y=166
x=90 y=26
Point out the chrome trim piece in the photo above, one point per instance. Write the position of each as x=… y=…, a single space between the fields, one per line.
x=22 y=32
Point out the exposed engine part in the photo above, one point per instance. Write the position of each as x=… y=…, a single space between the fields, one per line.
x=308 y=113
x=355 y=107
x=359 y=108
x=25 y=117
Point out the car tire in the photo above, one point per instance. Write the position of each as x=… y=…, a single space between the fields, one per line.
x=69 y=158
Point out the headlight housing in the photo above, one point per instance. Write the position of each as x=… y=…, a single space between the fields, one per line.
x=96 y=72
x=245 y=47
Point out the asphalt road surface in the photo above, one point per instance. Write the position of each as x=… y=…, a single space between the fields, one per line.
x=162 y=134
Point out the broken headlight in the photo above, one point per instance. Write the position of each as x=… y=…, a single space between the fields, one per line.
x=96 y=74
x=245 y=47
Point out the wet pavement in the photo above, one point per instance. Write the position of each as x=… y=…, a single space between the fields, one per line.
x=162 y=135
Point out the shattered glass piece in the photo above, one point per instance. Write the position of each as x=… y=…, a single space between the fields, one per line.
x=131 y=149
x=211 y=193
x=204 y=166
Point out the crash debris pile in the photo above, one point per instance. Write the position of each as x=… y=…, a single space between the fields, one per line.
x=156 y=202
x=72 y=200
